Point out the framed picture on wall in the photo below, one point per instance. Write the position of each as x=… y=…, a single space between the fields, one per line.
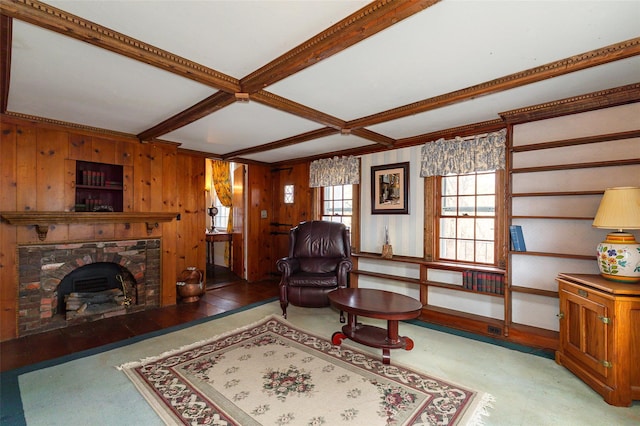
x=390 y=189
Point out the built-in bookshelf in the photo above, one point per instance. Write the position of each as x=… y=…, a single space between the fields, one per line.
x=559 y=168
x=99 y=187
x=436 y=283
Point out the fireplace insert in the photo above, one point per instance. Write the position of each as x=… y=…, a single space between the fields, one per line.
x=93 y=277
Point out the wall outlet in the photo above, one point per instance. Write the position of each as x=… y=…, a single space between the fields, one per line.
x=263 y=214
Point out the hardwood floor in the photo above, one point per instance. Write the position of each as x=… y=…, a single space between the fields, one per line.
x=224 y=293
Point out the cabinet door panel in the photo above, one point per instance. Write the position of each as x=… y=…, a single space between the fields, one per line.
x=587 y=335
x=574 y=331
x=594 y=329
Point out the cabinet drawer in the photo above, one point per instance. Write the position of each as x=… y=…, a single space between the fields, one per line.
x=583 y=292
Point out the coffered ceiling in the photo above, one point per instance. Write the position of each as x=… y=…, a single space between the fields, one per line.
x=272 y=81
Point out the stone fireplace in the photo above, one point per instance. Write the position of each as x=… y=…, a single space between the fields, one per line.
x=47 y=273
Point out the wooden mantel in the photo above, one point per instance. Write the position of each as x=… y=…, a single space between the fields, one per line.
x=42 y=220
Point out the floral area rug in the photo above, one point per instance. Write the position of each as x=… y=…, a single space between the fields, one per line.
x=272 y=373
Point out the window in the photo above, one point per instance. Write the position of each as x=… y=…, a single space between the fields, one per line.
x=288 y=194
x=222 y=218
x=337 y=204
x=466 y=218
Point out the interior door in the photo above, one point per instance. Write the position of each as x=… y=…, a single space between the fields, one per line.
x=294 y=183
x=238 y=199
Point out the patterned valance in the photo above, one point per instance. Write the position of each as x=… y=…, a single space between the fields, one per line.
x=334 y=171
x=460 y=156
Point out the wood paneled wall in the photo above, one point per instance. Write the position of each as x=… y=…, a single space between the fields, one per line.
x=258 y=185
x=190 y=200
x=37 y=164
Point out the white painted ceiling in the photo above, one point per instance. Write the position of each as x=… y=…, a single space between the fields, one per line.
x=446 y=47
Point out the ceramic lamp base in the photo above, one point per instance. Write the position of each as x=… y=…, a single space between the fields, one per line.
x=619 y=258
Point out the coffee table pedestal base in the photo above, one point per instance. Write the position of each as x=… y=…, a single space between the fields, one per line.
x=375 y=337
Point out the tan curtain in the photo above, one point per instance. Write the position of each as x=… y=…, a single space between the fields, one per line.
x=221 y=175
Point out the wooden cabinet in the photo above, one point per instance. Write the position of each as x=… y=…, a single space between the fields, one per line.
x=600 y=335
x=99 y=187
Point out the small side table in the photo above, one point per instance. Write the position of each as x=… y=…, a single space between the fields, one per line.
x=214 y=237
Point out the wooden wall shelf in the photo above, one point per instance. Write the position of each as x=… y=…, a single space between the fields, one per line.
x=555 y=194
x=562 y=167
x=387 y=276
x=560 y=255
x=578 y=141
x=552 y=217
x=42 y=220
x=460 y=288
x=395 y=258
x=449 y=266
x=536 y=291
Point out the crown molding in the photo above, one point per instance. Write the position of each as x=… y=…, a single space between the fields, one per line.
x=34 y=119
x=460 y=131
x=576 y=104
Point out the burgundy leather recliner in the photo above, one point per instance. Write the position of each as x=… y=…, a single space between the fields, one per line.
x=319 y=261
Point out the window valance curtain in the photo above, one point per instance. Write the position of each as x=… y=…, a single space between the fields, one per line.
x=459 y=156
x=334 y=171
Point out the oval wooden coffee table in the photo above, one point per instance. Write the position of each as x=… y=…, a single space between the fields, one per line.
x=379 y=304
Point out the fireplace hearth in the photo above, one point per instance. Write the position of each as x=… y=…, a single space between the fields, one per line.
x=48 y=273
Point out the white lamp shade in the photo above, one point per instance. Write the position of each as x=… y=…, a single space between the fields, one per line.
x=619 y=209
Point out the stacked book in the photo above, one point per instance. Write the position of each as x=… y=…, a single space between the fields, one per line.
x=113 y=184
x=485 y=282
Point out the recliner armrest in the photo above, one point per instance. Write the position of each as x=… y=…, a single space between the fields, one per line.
x=345 y=265
x=288 y=265
x=343 y=269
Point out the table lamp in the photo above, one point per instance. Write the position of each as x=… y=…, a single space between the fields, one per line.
x=619 y=254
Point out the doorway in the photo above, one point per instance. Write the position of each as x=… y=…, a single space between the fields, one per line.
x=225 y=203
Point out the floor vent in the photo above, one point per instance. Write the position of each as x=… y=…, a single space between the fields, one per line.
x=494 y=330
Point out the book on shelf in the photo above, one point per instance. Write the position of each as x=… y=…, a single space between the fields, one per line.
x=484 y=282
x=517 y=238
x=113 y=184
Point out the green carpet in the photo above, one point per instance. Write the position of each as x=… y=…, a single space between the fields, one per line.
x=86 y=388
x=11 y=401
